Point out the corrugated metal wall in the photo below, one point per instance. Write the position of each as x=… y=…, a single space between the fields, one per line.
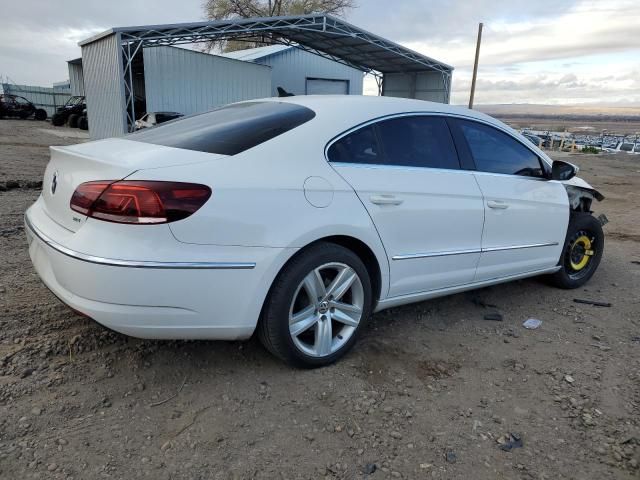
x=291 y=68
x=102 y=71
x=41 y=97
x=76 y=79
x=423 y=86
x=185 y=81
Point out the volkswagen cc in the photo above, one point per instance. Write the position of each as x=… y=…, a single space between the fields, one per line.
x=299 y=217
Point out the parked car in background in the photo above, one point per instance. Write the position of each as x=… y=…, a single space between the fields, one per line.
x=70 y=112
x=155 y=118
x=623 y=147
x=20 y=107
x=298 y=217
x=536 y=140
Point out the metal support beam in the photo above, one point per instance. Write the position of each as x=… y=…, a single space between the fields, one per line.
x=321 y=35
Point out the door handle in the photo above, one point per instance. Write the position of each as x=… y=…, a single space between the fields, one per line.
x=385 y=200
x=497 y=204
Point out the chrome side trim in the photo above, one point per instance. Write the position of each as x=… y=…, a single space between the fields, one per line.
x=517 y=247
x=114 y=262
x=412 y=256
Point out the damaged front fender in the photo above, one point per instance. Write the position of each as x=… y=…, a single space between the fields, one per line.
x=581 y=198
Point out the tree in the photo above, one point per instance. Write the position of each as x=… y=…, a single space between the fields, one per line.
x=227 y=9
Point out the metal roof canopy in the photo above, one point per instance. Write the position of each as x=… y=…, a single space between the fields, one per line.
x=321 y=34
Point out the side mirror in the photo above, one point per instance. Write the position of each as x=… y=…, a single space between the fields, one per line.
x=563 y=170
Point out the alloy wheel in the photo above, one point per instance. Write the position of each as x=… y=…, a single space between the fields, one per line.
x=326 y=309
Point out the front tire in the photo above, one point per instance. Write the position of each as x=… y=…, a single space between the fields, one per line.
x=40 y=114
x=582 y=252
x=73 y=120
x=317 y=306
x=57 y=120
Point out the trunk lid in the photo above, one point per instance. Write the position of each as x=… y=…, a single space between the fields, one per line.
x=111 y=159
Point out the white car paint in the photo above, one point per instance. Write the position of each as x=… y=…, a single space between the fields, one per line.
x=440 y=211
x=207 y=276
x=513 y=218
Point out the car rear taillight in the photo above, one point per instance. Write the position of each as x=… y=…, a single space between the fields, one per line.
x=139 y=201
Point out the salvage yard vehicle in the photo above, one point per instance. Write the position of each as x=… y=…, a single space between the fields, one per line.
x=16 y=106
x=629 y=147
x=298 y=217
x=70 y=112
x=155 y=118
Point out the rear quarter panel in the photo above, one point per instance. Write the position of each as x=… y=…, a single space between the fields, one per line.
x=258 y=198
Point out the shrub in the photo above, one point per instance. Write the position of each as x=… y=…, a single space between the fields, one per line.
x=590 y=149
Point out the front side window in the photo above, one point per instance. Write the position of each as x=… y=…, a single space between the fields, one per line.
x=496 y=152
x=418 y=141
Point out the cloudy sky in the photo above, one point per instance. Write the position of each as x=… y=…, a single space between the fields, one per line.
x=544 y=51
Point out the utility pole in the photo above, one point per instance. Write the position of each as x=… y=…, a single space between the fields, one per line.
x=475 y=66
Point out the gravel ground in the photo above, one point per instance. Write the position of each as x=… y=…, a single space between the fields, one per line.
x=432 y=390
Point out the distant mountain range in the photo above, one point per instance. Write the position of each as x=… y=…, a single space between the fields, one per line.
x=526 y=109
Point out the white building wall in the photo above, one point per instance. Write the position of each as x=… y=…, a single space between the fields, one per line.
x=421 y=85
x=292 y=67
x=185 y=81
x=76 y=79
x=103 y=71
x=42 y=97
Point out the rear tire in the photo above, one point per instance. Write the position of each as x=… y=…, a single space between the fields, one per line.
x=40 y=114
x=57 y=120
x=582 y=252
x=317 y=306
x=73 y=120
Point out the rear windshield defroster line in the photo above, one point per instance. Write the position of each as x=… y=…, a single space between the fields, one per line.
x=228 y=130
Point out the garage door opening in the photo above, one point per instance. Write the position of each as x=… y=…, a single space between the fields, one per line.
x=327 y=86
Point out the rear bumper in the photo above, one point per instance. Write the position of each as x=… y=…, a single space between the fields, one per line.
x=205 y=299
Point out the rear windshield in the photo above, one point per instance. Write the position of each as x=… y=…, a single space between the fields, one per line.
x=228 y=130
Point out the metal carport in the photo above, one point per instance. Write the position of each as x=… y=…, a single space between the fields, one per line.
x=399 y=71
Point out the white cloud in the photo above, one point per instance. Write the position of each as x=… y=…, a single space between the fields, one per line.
x=544 y=51
x=519 y=60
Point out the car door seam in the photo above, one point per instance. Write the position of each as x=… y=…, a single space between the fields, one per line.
x=375 y=227
x=484 y=221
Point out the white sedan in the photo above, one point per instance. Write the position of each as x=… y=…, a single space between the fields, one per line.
x=298 y=217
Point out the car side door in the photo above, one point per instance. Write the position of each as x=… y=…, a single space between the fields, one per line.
x=526 y=214
x=23 y=106
x=427 y=210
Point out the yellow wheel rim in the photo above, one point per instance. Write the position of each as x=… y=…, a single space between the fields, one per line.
x=581 y=253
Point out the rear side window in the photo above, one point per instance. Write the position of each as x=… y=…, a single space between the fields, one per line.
x=228 y=130
x=357 y=147
x=418 y=141
x=411 y=141
x=496 y=152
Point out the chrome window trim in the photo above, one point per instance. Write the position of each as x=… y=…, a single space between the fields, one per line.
x=374 y=166
x=390 y=116
x=412 y=256
x=113 y=262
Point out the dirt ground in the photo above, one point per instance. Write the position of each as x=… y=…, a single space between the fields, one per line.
x=430 y=391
